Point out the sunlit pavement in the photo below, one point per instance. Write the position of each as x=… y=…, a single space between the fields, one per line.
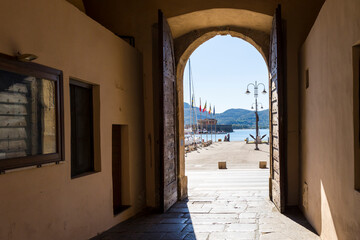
x=231 y=203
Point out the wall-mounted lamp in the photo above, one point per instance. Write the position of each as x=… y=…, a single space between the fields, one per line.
x=26 y=57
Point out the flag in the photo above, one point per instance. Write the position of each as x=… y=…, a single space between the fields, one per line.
x=204 y=109
x=192 y=101
x=200 y=105
x=214 y=111
x=210 y=109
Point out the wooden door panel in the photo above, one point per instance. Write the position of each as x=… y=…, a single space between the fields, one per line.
x=168 y=146
x=276 y=195
x=274 y=118
x=276 y=176
x=275 y=143
x=274 y=108
x=277 y=110
x=275 y=154
x=276 y=131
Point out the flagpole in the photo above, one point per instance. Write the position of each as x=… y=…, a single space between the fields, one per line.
x=215 y=123
x=211 y=129
x=205 y=110
x=200 y=124
x=207 y=132
x=207 y=117
x=194 y=128
x=193 y=120
x=215 y=128
x=200 y=131
x=210 y=124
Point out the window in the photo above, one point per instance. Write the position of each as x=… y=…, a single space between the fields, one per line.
x=82 y=129
x=30 y=114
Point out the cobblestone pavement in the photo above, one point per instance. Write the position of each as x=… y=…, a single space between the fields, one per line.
x=222 y=204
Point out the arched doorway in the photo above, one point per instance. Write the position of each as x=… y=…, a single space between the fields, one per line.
x=263 y=36
x=194 y=39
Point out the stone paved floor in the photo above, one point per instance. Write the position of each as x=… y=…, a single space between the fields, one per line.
x=222 y=204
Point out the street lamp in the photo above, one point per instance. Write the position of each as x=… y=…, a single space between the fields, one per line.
x=256 y=88
x=252 y=106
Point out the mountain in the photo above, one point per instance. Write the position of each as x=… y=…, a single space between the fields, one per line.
x=237 y=117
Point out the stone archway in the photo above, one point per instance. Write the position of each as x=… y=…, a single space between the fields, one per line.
x=184 y=46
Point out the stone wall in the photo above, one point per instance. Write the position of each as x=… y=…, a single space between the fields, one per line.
x=46 y=203
x=329 y=109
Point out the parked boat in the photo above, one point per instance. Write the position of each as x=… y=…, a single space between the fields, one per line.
x=204 y=131
x=192 y=139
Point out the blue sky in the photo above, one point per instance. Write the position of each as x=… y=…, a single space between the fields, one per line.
x=222 y=67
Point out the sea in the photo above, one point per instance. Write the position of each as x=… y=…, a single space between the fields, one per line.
x=238 y=135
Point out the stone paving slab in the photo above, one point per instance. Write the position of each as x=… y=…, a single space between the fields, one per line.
x=173 y=220
x=227 y=204
x=242 y=227
x=131 y=236
x=232 y=236
x=197 y=236
x=200 y=228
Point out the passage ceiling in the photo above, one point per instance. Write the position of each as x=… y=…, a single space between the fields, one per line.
x=180 y=25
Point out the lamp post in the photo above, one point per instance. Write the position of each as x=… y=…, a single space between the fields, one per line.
x=259 y=103
x=256 y=94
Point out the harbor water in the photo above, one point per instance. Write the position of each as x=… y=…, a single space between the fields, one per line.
x=238 y=135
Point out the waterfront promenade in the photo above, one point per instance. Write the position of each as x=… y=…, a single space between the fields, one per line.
x=231 y=203
x=238 y=155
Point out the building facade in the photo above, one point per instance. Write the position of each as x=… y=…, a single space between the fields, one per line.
x=80 y=43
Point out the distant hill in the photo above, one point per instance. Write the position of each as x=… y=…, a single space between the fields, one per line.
x=238 y=118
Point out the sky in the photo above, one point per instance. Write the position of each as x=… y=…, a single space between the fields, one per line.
x=222 y=67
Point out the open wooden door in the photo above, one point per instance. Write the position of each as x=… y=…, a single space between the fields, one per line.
x=167 y=138
x=277 y=116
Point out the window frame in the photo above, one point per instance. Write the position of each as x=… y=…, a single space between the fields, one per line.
x=89 y=86
x=11 y=64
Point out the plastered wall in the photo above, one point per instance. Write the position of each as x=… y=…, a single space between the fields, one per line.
x=139 y=18
x=45 y=203
x=331 y=203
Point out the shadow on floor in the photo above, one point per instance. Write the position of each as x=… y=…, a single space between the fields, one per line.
x=174 y=224
x=297 y=216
